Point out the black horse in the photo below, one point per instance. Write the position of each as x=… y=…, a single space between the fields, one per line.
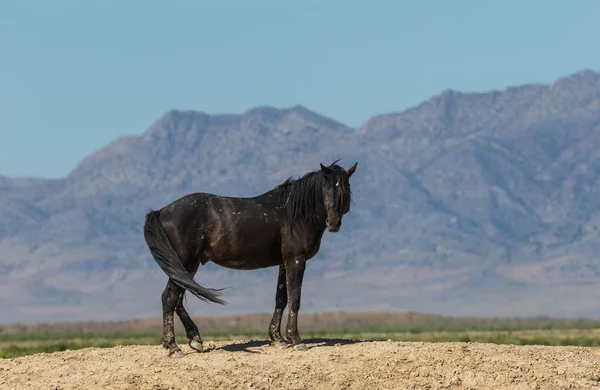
x=282 y=227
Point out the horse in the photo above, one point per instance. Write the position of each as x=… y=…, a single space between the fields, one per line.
x=282 y=227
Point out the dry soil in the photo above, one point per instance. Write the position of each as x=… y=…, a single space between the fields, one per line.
x=328 y=364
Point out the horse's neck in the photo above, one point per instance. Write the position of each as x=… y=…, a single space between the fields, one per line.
x=278 y=196
x=318 y=225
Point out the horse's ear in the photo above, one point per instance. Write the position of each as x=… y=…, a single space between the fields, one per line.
x=351 y=170
x=324 y=168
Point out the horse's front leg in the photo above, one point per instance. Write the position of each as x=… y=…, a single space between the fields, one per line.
x=280 y=302
x=294 y=270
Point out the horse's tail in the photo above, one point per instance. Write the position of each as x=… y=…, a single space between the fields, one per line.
x=166 y=257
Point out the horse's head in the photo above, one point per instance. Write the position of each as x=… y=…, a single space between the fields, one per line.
x=336 y=194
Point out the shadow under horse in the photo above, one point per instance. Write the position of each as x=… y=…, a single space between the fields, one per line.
x=250 y=346
x=282 y=227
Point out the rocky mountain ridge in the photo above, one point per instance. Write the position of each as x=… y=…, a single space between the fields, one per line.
x=468 y=203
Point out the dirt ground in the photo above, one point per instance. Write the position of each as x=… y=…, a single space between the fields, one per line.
x=328 y=364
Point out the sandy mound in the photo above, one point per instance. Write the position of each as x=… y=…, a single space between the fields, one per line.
x=328 y=364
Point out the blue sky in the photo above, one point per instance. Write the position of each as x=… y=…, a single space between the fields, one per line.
x=75 y=75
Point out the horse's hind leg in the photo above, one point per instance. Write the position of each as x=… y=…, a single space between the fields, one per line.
x=280 y=303
x=191 y=330
x=170 y=298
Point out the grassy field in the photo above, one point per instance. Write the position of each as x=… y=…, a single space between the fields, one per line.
x=20 y=340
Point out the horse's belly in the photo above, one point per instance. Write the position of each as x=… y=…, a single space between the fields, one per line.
x=243 y=257
x=245 y=240
x=248 y=261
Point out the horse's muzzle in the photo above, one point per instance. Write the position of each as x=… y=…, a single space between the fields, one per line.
x=333 y=227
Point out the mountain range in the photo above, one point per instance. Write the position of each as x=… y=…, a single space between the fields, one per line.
x=484 y=204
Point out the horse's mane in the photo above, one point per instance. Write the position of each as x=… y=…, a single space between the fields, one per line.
x=302 y=198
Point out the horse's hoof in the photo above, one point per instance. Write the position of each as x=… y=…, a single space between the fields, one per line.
x=279 y=344
x=301 y=347
x=176 y=353
x=196 y=345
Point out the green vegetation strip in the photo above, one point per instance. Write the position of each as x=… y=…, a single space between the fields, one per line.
x=15 y=345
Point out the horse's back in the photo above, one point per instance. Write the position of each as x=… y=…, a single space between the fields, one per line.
x=240 y=233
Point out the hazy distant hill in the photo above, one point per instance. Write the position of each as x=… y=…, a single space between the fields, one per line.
x=469 y=203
